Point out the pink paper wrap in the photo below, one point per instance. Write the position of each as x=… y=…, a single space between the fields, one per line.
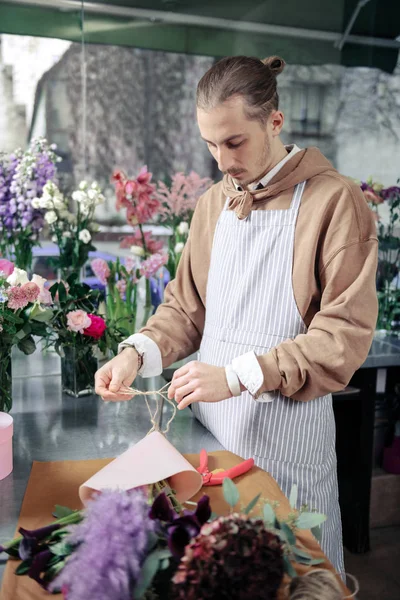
x=150 y=460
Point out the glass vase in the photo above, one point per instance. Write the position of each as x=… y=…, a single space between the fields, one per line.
x=5 y=379
x=78 y=369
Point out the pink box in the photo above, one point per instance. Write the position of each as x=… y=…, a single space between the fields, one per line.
x=6 y=454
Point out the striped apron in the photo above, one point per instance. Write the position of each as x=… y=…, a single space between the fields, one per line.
x=250 y=305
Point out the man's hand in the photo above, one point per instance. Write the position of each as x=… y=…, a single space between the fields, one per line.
x=119 y=373
x=198 y=382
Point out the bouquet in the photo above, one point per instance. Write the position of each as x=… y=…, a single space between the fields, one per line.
x=128 y=545
x=24 y=313
x=76 y=331
x=72 y=230
x=177 y=204
x=139 y=198
x=388 y=277
x=121 y=281
x=23 y=176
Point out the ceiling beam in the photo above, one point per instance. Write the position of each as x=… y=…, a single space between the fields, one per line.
x=176 y=18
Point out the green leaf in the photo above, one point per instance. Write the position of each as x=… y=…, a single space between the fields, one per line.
x=54 y=289
x=288 y=567
x=62 y=292
x=251 y=504
x=308 y=520
x=317 y=532
x=61 y=549
x=231 y=492
x=24 y=567
x=316 y=561
x=301 y=555
x=269 y=514
x=27 y=345
x=293 y=496
x=62 y=511
x=22 y=333
x=289 y=535
x=164 y=564
x=150 y=567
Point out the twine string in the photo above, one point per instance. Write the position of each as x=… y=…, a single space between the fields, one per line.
x=162 y=392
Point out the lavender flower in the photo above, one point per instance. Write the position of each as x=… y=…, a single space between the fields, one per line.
x=112 y=542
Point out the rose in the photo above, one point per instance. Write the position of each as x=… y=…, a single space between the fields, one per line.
x=6 y=266
x=78 y=321
x=96 y=328
x=18 y=277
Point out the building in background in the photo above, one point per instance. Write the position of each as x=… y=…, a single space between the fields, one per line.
x=141 y=110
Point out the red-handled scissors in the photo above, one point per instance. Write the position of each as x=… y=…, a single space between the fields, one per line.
x=217 y=476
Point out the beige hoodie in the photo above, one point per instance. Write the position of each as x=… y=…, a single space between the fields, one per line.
x=334 y=269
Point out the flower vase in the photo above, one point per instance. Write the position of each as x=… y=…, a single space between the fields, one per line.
x=5 y=379
x=78 y=369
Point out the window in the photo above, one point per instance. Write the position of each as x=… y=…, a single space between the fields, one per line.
x=307 y=103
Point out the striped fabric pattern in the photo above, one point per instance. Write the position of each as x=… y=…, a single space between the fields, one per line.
x=250 y=305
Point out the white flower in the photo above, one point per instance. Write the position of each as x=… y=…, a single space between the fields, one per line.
x=85 y=236
x=18 y=277
x=35 y=203
x=46 y=202
x=82 y=186
x=183 y=228
x=54 y=238
x=58 y=202
x=179 y=247
x=137 y=250
x=68 y=234
x=79 y=196
x=85 y=210
x=92 y=194
x=50 y=217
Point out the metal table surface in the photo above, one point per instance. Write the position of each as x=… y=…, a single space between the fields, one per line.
x=50 y=426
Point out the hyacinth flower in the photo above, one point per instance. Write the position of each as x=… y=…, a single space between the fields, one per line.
x=22 y=179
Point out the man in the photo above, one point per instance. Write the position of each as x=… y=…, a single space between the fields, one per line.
x=276 y=287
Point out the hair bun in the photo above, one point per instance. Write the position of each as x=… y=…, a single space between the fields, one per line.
x=275 y=63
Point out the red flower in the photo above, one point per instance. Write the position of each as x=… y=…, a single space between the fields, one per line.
x=97 y=327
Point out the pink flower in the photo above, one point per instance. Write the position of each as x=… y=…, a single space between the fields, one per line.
x=17 y=297
x=136 y=195
x=121 y=287
x=31 y=291
x=152 y=246
x=44 y=295
x=101 y=269
x=78 y=320
x=6 y=266
x=181 y=197
x=151 y=265
x=96 y=328
x=130 y=263
x=372 y=197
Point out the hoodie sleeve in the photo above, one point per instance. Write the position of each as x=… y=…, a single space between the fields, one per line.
x=340 y=334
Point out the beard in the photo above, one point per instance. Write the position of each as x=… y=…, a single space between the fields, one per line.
x=261 y=167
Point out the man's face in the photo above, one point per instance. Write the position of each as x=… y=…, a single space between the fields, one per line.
x=241 y=147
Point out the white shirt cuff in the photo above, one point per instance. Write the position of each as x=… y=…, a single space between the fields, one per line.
x=148 y=349
x=249 y=371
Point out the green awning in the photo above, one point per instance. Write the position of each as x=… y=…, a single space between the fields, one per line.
x=301 y=31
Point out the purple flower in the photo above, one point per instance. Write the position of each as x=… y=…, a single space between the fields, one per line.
x=391 y=193
x=180 y=530
x=112 y=542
